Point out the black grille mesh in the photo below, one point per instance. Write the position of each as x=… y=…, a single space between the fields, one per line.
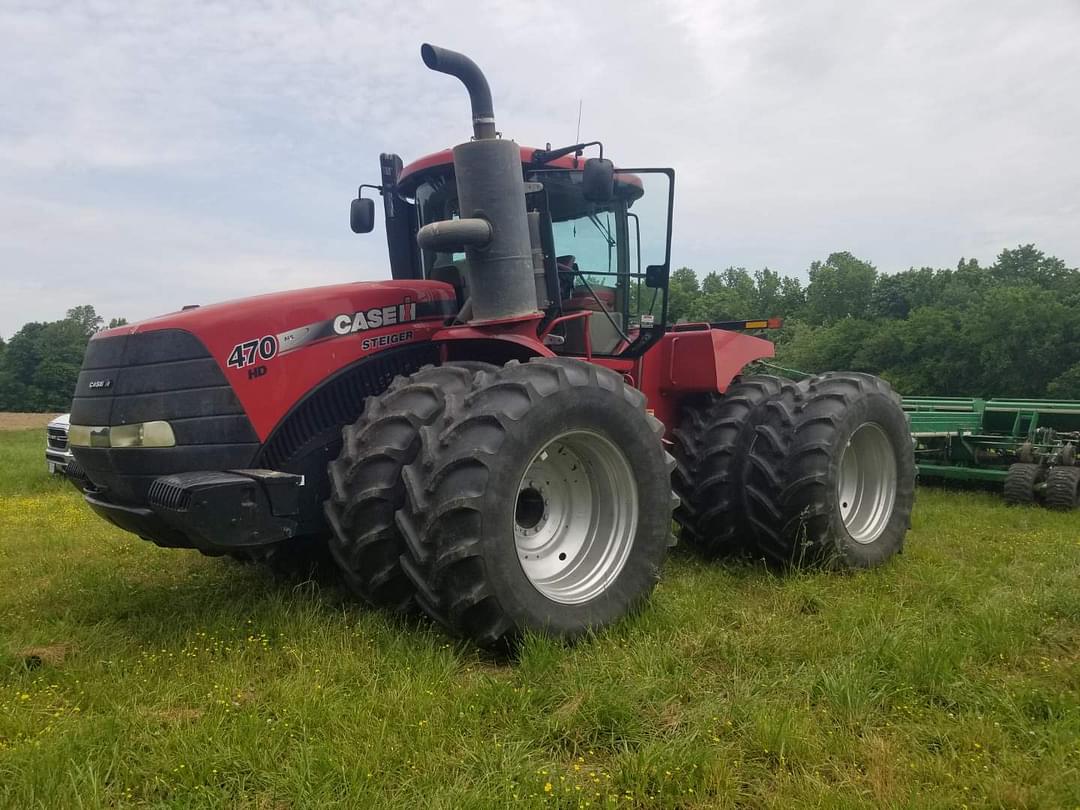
x=340 y=401
x=168 y=495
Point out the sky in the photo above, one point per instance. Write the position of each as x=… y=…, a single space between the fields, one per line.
x=156 y=154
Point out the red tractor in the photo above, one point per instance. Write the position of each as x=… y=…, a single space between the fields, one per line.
x=494 y=435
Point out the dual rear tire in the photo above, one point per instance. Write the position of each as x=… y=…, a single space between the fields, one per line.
x=711 y=444
x=819 y=473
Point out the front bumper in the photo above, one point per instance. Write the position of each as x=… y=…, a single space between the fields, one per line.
x=213 y=511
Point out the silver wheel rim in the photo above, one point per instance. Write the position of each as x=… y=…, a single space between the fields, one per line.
x=866 y=488
x=576 y=516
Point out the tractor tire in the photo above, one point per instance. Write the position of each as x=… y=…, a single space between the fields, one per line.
x=1020 y=483
x=1063 y=488
x=831 y=474
x=541 y=503
x=365 y=480
x=710 y=446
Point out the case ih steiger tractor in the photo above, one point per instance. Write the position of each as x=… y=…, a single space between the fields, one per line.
x=494 y=435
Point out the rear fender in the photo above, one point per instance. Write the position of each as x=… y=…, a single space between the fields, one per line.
x=695 y=361
x=466 y=343
x=706 y=360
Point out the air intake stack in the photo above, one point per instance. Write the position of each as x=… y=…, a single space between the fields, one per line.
x=494 y=227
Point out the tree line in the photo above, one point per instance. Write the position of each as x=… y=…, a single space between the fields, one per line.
x=1011 y=329
x=40 y=364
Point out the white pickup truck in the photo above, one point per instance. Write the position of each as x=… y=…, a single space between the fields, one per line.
x=57 y=454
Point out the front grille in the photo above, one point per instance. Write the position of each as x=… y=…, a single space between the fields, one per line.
x=169 y=496
x=166 y=374
x=58 y=439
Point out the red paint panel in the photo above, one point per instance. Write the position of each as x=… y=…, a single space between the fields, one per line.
x=708 y=360
x=446 y=158
x=319 y=352
x=531 y=345
x=689 y=362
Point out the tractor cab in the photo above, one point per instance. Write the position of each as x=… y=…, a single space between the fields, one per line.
x=601 y=266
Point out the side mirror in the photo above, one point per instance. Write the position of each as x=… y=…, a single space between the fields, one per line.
x=656 y=276
x=598 y=180
x=362 y=215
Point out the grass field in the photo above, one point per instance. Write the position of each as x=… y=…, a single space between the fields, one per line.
x=133 y=675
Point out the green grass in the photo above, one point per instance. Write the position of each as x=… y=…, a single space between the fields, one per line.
x=950 y=677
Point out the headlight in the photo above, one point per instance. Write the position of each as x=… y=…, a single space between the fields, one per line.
x=141 y=434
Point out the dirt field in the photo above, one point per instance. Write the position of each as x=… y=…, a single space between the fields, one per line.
x=23 y=421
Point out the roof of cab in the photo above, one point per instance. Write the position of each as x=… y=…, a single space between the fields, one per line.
x=413 y=173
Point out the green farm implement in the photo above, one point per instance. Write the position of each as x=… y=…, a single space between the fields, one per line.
x=1027 y=445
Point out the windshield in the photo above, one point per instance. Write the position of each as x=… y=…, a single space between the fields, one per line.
x=592 y=240
x=601 y=250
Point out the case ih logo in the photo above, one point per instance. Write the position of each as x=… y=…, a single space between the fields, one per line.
x=252 y=352
x=375 y=318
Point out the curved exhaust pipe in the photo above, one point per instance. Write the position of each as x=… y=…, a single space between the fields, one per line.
x=459 y=65
x=493 y=227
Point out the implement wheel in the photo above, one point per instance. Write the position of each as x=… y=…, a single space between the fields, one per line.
x=831 y=474
x=1020 y=483
x=542 y=503
x=710 y=446
x=1063 y=488
x=365 y=480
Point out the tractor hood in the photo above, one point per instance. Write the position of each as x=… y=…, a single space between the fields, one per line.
x=268 y=349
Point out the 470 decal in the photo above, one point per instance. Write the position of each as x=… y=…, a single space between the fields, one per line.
x=252 y=351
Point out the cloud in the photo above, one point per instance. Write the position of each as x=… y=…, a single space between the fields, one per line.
x=162 y=153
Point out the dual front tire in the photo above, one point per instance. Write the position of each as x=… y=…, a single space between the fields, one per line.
x=531 y=497
x=366 y=488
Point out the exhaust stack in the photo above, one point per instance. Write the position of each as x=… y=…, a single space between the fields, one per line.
x=494 y=227
x=462 y=67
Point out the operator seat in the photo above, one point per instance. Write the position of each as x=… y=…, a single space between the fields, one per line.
x=603 y=336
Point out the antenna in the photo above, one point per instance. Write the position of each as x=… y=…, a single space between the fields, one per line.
x=577 y=137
